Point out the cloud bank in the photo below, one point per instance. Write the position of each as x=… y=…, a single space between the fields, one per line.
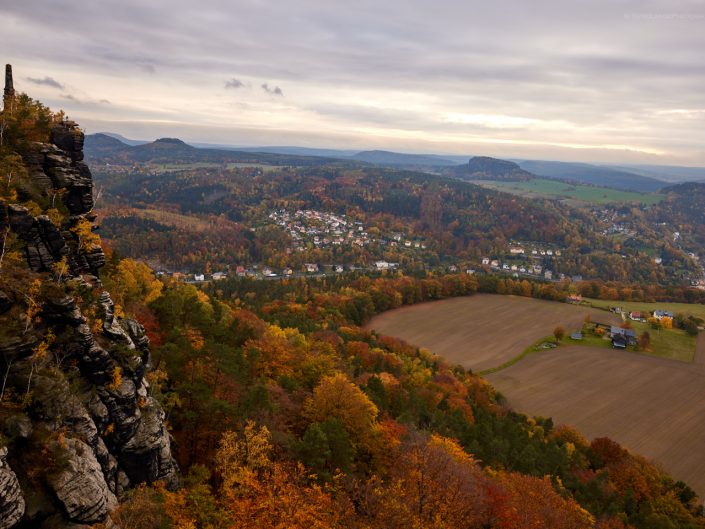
x=593 y=81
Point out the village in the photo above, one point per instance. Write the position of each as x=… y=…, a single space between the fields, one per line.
x=527 y=259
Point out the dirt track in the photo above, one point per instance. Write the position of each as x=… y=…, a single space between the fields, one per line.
x=482 y=331
x=653 y=406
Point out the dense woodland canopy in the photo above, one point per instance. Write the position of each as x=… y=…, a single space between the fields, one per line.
x=387 y=435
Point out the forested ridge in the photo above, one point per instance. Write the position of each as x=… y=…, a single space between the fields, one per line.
x=283 y=410
x=147 y=213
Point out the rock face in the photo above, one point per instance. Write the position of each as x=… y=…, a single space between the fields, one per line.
x=11 y=500
x=90 y=410
x=81 y=487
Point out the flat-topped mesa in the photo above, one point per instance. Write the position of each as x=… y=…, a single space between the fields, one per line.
x=9 y=86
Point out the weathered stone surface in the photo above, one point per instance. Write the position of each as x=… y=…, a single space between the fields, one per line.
x=63 y=310
x=17 y=347
x=147 y=455
x=68 y=137
x=124 y=412
x=12 y=504
x=110 y=325
x=44 y=243
x=81 y=486
x=113 y=432
x=138 y=334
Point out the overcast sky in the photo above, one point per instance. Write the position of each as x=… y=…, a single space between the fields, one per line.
x=597 y=81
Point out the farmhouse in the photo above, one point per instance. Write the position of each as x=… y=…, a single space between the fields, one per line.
x=311 y=268
x=382 y=265
x=635 y=315
x=199 y=277
x=622 y=337
x=659 y=314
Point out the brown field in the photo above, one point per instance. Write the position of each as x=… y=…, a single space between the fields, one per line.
x=482 y=331
x=655 y=407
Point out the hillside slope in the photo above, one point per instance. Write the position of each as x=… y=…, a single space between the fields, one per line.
x=594 y=175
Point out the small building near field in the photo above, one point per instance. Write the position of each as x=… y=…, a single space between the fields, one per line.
x=622 y=337
x=619 y=341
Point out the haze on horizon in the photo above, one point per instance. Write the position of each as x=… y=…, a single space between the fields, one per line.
x=611 y=82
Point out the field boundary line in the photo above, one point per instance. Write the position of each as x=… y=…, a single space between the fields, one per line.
x=533 y=348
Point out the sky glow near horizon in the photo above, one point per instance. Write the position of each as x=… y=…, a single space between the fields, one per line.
x=601 y=82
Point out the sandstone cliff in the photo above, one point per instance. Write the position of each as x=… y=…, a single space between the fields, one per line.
x=78 y=425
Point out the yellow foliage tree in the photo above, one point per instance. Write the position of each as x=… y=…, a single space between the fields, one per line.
x=337 y=397
x=87 y=240
x=133 y=282
x=240 y=459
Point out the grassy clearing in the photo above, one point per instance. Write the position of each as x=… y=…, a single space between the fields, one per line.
x=668 y=343
x=697 y=310
x=545 y=188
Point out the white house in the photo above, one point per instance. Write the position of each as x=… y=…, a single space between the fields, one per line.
x=199 y=277
x=382 y=265
x=311 y=268
x=485 y=260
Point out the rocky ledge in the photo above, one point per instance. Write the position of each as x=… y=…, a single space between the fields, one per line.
x=83 y=428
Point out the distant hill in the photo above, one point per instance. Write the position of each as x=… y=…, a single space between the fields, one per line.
x=123 y=139
x=104 y=148
x=401 y=159
x=666 y=173
x=297 y=151
x=487 y=168
x=103 y=143
x=593 y=174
